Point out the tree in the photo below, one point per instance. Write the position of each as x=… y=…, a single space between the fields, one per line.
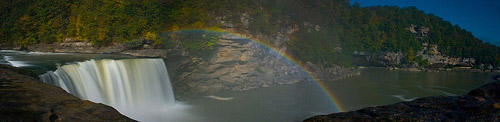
x=411 y=54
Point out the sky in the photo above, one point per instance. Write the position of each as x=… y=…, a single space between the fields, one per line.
x=481 y=17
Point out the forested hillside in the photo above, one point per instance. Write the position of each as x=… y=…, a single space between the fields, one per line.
x=343 y=28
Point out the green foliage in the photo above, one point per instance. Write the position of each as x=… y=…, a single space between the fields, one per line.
x=411 y=54
x=449 y=66
x=100 y=22
x=378 y=28
x=317 y=46
x=193 y=40
x=422 y=62
x=344 y=28
x=476 y=67
x=134 y=44
x=259 y=70
x=263 y=23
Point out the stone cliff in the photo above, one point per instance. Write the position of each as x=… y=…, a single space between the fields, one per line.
x=428 y=56
x=234 y=63
x=239 y=64
x=24 y=98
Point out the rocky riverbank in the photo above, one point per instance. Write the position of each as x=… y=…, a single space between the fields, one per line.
x=234 y=63
x=76 y=47
x=481 y=104
x=24 y=98
x=442 y=70
x=429 y=59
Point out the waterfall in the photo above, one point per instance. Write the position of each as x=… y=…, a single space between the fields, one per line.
x=125 y=84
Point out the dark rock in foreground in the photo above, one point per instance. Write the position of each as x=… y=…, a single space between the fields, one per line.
x=481 y=104
x=24 y=98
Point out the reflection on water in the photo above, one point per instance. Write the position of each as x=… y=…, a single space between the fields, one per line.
x=302 y=100
x=380 y=86
x=294 y=102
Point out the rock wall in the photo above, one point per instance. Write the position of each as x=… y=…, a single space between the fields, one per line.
x=239 y=64
x=429 y=53
x=24 y=98
x=235 y=64
x=433 y=56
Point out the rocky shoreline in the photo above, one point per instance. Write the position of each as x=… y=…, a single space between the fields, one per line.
x=234 y=64
x=481 y=104
x=439 y=69
x=24 y=98
x=89 y=49
x=193 y=73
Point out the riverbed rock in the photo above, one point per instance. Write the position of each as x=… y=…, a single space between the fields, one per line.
x=24 y=98
x=481 y=104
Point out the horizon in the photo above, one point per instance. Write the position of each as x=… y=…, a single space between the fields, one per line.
x=480 y=18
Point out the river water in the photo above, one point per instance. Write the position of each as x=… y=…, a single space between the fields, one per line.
x=294 y=102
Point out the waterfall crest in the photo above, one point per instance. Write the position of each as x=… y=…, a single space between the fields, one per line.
x=123 y=84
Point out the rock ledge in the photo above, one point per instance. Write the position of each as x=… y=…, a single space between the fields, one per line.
x=481 y=104
x=24 y=98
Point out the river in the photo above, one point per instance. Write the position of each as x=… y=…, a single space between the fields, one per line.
x=295 y=102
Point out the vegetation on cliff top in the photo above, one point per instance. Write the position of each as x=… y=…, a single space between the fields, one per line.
x=343 y=28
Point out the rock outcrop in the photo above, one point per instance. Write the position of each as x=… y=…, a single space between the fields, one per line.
x=335 y=72
x=239 y=64
x=427 y=57
x=481 y=104
x=234 y=63
x=433 y=56
x=24 y=98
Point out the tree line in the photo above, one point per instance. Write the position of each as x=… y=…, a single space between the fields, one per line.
x=345 y=28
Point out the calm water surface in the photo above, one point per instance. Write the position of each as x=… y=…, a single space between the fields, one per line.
x=373 y=87
x=294 y=102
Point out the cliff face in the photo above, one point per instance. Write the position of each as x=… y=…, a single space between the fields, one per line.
x=481 y=104
x=239 y=64
x=24 y=98
x=235 y=63
x=428 y=56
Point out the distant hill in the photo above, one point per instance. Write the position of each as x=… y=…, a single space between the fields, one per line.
x=327 y=31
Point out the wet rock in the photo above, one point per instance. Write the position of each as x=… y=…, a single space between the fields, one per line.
x=481 y=104
x=496 y=77
x=24 y=98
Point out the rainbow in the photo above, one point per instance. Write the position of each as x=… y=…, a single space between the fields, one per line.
x=286 y=56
